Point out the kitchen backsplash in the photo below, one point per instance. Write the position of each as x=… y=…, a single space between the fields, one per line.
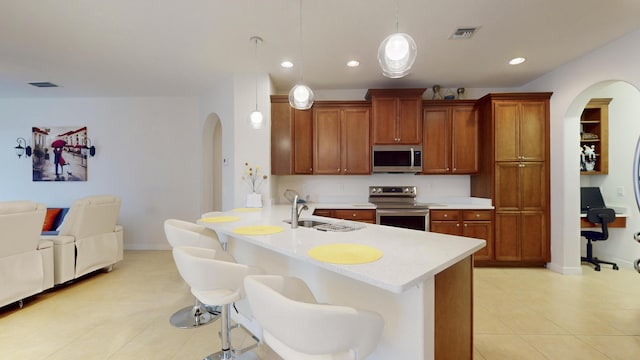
x=355 y=189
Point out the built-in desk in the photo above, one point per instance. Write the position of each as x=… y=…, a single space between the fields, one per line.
x=619 y=222
x=422 y=286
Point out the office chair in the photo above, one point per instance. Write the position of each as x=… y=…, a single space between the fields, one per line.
x=602 y=216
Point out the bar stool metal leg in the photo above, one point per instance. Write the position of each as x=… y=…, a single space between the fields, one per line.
x=194 y=316
x=226 y=353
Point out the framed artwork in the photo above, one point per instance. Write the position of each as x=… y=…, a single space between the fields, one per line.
x=59 y=153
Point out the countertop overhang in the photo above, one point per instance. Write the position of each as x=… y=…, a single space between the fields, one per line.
x=409 y=256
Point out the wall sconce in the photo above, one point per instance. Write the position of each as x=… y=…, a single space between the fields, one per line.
x=22 y=147
x=91 y=148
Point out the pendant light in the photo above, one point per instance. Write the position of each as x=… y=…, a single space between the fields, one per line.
x=256 y=119
x=397 y=53
x=301 y=96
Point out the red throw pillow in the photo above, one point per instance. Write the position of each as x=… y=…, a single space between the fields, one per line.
x=52 y=213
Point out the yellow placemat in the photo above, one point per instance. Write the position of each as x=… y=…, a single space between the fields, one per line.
x=246 y=209
x=220 y=219
x=345 y=254
x=258 y=230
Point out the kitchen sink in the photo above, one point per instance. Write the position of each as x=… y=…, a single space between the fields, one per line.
x=308 y=223
x=340 y=226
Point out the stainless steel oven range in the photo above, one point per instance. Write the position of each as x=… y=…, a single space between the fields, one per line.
x=397 y=206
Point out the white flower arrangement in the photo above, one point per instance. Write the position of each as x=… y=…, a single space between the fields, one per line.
x=253 y=178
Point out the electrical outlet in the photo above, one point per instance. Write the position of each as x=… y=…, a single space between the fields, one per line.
x=621 y=191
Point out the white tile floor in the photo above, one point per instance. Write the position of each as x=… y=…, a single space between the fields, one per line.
x=519 y=314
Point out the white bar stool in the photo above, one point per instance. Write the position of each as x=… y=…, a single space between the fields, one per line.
x=184 y=233
x=213 y=281
x=296 y=327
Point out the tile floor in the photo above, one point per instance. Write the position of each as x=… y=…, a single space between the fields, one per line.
x=519 y=314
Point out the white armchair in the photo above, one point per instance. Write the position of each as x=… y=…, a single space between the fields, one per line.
x=89 y=238
x=26 y=261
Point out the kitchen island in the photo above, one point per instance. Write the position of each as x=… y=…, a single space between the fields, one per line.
x=422 y=285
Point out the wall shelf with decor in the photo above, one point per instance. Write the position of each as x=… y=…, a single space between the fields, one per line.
x=594 y=137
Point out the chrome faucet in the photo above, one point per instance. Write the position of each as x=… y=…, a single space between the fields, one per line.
x=296 y=211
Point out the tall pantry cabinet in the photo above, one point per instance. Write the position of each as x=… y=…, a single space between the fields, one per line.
x=514 y=173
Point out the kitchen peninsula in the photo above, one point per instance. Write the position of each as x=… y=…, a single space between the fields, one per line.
x=422 y=285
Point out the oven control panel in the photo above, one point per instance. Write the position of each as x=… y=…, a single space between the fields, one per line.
x=410 y=191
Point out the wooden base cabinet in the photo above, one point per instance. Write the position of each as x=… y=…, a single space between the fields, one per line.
x=362 y=215
x=521 y=237
x=514 y=173
x=470 y=223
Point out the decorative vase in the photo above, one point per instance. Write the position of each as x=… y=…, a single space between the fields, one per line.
x=254 y=200
x=590 y=166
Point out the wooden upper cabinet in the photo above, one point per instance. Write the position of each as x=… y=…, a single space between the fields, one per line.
x=281 y=136
x=341 y=140
x=520 y=130
x=291 y=138
x=396 y=115
x=356 y=144
x=450 y=140
x=302 y=141
x=326 y=125
x=437 y=141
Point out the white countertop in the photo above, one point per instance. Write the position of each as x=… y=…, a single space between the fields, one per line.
x=409 y=256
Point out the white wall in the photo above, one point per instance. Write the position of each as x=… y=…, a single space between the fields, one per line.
x=252 y=146
x=147 y=153
x=617 y=61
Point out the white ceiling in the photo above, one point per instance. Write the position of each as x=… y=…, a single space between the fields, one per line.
x=180 y=47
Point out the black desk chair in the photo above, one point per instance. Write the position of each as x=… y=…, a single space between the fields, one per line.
x=602 y=216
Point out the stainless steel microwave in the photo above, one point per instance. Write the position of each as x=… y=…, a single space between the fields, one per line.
x=396 y=159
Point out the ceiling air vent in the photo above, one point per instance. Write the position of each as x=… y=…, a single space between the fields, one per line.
x=463 y=33
x=45 y=84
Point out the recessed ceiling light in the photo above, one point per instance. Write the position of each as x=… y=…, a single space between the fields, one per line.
x=286 y=64
x=353 y=63
x=516 y=61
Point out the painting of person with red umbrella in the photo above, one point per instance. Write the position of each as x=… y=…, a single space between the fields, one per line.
x=58 y=160
x=67 y=145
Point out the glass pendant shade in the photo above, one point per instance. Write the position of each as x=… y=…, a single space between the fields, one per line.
x=396 y=55
x=301 y=97
x=256 y=120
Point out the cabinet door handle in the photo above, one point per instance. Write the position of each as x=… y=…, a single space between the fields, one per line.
x=465 y=225
x=457 y=225
x=477 y=215
x=446 y=215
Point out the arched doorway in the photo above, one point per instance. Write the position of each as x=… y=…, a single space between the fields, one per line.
x=211 y=164
x=616 y=186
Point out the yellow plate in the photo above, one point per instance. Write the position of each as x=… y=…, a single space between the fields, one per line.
x=220 y=219
x=258 y=230
x=345 y=254
x=246 y=209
